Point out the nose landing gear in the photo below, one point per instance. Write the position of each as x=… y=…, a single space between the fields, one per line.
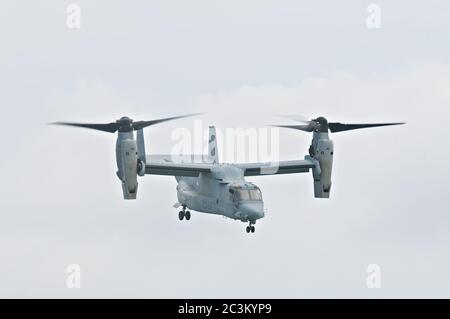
x=250 y=227
x=184 y=214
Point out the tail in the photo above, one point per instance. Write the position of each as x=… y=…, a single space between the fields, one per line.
x=212 y=145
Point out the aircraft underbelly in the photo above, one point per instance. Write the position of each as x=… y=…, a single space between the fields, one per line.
x=199 y=202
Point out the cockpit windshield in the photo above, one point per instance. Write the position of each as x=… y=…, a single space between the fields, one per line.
x=255 y=194
x=247 y=194
x=243 y=194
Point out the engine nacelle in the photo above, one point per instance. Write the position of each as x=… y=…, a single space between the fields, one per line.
x=322 y=150
x=127 y=164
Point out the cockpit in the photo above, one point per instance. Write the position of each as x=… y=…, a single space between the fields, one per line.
x=245 y=193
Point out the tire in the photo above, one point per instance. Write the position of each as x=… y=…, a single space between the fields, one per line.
x=248 y=229
x=187 y=215
x=181 y=215
x=252 y=229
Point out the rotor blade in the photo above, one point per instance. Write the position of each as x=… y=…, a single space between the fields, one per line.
x=108 y=127
x=306 y=128
x=294 y=117
x=137 y=125
x=339 y=127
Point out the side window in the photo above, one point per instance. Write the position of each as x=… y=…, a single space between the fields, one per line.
x=232 y=194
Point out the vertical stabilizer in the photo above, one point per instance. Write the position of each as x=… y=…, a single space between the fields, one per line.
x=212 y=145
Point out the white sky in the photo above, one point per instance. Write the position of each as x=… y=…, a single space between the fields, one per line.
x=240 y=61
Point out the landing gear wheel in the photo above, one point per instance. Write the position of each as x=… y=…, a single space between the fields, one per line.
x=181 y=215
x=252 y=229
x=187 y=215
x=248 y=229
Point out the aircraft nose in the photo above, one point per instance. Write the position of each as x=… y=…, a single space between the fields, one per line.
x=254 y=210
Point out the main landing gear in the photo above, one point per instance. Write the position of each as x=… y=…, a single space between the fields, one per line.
x=250 y=227
x=184 y=214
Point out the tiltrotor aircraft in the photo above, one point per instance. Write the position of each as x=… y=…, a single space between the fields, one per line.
x=212 y=187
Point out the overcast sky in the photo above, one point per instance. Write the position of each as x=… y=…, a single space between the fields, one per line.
x=241 y=62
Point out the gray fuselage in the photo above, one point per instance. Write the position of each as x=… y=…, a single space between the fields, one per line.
x=224 y=191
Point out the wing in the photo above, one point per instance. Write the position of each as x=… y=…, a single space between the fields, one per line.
x=281 y=167
x=161 y=167
x=191 y=158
